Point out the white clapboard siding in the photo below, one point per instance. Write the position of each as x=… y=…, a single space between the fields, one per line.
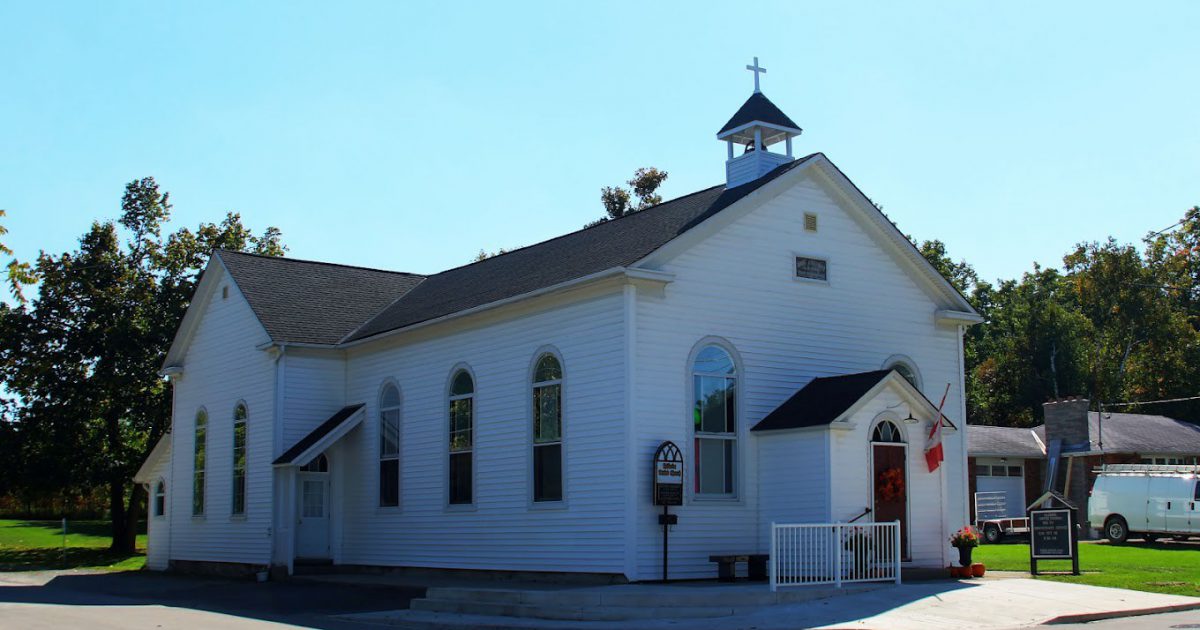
x=222 y=366
x=503 y=530
x=158 y=530
x=738 y=284
x=314 y=388
x=793 y=478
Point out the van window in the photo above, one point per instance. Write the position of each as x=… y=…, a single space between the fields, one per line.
x=1198 y=490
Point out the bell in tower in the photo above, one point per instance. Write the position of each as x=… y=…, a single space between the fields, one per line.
x=757 y=125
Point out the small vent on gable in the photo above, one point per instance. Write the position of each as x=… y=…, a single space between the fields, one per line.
x=810 y=222
x=225 y=292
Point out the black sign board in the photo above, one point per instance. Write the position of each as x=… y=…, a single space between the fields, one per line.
x=668 y=475
x=1050 y=534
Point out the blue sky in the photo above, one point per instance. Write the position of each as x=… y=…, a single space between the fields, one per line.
x=410 y=135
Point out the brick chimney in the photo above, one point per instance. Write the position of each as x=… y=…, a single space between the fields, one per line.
x=1067 y=420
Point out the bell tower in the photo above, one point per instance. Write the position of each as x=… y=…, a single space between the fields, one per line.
x=756 y=126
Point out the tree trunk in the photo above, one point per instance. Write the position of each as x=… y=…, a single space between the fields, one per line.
x=133 y=516
x=116 y=485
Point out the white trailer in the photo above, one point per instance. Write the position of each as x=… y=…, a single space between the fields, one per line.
x=991 y=517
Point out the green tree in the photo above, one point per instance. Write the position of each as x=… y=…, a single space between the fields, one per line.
x=83 y=359
x=19 y=273
x=618 y=201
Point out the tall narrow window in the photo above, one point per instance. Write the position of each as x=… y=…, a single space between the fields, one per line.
x=714 y=384
x=389 y=446
x=547 y=430
x=239 y=459
x=462 y=422
x=201 y=446
x=160 y=498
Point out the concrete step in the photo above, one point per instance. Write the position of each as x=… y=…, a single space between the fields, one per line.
x=568 y=613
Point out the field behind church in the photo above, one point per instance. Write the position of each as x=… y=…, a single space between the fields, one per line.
x=38 y=545
x=1172 y=568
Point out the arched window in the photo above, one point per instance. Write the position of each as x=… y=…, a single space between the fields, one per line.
x=160 y=498
x=389 y=446
x=462 y=434
x=198 y=462
x=714 y=421
x=318 y=464
x=905 y=367
x=547 y=429
x=239 y=459
x=887 y=432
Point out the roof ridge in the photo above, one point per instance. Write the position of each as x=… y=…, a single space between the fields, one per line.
x=222 y=250
x=583 y=229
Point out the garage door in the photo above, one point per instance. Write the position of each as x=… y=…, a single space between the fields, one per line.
x=1013 y=489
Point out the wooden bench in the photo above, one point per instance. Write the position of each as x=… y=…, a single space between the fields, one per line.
x=756 y=566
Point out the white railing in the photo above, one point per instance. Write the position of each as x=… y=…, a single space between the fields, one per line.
x=834 y=553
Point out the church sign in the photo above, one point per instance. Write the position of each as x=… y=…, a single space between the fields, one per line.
x=1052 y=537
x=668 y=475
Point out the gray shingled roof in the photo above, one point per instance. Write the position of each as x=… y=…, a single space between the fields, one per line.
x=821 y=401
x=300 y=301
x=1140 y=433
x=758 y=108
x=615 y=243
x=1002 y=441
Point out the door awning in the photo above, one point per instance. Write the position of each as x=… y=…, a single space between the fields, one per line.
x=324 y=436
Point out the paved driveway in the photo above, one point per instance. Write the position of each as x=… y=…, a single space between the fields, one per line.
x=136 y=600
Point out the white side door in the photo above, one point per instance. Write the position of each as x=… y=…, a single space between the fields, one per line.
x=312 y=521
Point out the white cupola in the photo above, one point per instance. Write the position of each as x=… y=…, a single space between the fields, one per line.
x=757 y=125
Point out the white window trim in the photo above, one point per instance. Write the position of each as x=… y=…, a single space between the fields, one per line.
x=447 y=399
x=238 y=516
x=739 y=435
x=560 y=504
x=908 y=362
x=204 y=485
x=379 y=456
x=159 y=489
x=813 y=281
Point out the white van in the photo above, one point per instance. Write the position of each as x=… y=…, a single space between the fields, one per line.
x=1132 y=500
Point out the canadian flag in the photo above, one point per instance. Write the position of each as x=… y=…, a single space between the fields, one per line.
x=933 y=446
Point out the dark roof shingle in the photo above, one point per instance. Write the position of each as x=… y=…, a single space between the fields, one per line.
x=615 y=243
x=821 y=401
x=758 y=108
x=1003 y=441
x=1140 y=433
x=301 y=301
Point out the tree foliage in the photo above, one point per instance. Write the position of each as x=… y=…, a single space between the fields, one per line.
x=618 y=201
x=83 y=357
x=18 y=273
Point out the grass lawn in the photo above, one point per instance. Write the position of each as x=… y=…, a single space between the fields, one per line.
x=38 y=545
x=1161 y=568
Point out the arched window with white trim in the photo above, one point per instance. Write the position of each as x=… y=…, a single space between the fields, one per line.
x=714 y=422
x=462 y=439
x=198 y=462
x=239 y=459
x=886 y=432
x=389 y=446
x=906 y=368
x=547 y=429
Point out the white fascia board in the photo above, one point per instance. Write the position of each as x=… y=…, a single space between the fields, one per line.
x=329 y=439
x=632 y=275
x=740 y=128
x=161 y=449
x=209 y=282
x=947 y=316
x=893 y=236
x=726 y=216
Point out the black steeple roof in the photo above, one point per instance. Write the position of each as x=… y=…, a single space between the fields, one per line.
x=759 y=108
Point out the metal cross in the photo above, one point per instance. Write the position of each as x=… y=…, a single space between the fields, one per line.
x=756 y=69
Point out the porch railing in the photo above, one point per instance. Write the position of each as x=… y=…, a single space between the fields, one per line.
x=834 y=553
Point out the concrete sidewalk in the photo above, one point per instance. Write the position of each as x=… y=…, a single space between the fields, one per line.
x=985 y=604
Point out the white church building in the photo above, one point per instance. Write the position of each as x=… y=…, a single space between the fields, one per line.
x=502 y=416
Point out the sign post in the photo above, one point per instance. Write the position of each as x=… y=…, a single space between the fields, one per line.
x=668 y=490
x=1052 y=537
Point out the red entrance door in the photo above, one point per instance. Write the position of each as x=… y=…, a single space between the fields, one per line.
x=891 y=499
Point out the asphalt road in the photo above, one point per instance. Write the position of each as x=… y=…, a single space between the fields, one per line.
x=135 y=600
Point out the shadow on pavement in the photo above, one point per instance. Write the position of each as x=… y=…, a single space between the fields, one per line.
x=295 y=603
